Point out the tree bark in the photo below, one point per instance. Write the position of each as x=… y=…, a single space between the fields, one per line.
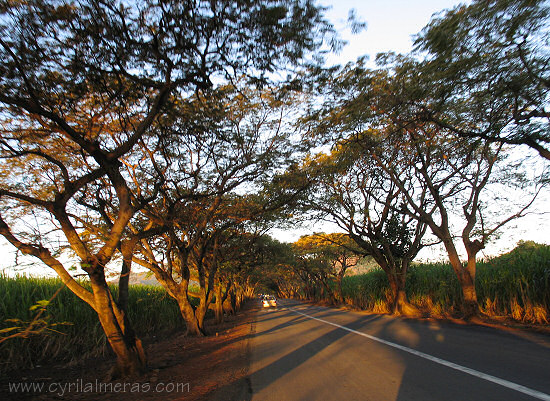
x=400 y=305
x=188 y=313
x=126 y=346
x=127 y=250
x=218 y=306
x=339 y=292
x=470 y=307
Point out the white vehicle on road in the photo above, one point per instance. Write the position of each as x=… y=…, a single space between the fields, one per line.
x=269 y=301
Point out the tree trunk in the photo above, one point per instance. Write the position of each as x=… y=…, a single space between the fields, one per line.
x=202 y=308
x=237 y=300
x=218 y=307
x=400 y=304
x=339 y=292
x=396 y=278
x=126 y=346
x=226 y=305
x=470 y=307
x=331 y=295
x=229 y=303
x=188 y=313
x=468 y=285
x=127 y=250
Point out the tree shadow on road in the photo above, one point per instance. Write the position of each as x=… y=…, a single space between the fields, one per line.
x=419 y=379
x=487 y=350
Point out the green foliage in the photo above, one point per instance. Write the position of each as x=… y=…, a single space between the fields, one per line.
x=518 y=279
x=39 y=325
x=150 y=308
x=522 y=274
x=436 y=281
x=398 y=235
x=365 y=290
x=487 y=70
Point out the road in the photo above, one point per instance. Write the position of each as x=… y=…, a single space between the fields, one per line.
x=305 y=352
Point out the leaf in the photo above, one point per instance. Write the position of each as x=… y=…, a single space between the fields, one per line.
x=15 y=320
x=7 y=330
x=43 y=303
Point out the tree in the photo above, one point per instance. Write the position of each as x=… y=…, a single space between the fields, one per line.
x=359 y=196
x=487 y=65
x=277 y=273
x=212 y=185
x=312 y=269
x=338 y=252
x=83 y=83
x=440 y=179
x=249 y=261
x=469 y=181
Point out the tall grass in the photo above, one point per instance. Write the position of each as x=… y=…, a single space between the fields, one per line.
x=515 y=285
x=77 y=332
x=367 y=291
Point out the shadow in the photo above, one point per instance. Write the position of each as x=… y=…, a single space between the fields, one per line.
x=296 y=320
x=484 y=349
x=242 y=389
x=275 y=370
x=271 y=314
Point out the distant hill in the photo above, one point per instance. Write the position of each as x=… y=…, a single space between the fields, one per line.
x=364 y=265
x=138 y=278
x=145 y=278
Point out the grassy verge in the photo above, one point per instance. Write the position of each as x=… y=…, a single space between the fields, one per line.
x=515 y=285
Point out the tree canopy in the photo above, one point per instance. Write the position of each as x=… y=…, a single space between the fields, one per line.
x=487 y=69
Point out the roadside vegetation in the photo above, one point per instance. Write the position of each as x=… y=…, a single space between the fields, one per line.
x=68 y=330
x=515 y=285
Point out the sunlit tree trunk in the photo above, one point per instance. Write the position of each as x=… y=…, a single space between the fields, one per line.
x=120 y=335
x=470 y=307
x=400 y=303
x=188 y=313
x=396 y=272
x=202 y=308
x=218 y=306
x=127 y=250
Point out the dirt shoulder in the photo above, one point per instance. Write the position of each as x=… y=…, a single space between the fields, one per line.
x=179 y=368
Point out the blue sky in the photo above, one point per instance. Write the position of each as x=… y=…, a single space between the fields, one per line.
x=390 y=24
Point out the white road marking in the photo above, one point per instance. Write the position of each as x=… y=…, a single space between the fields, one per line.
x=505 y=383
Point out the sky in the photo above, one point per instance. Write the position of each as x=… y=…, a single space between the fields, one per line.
x=391 y=25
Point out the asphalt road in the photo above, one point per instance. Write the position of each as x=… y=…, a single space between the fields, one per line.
x=304 y=352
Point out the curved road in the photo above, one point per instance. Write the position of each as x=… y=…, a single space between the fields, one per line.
x=305 y=352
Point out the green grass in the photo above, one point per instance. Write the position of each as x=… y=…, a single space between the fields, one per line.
x=516 y=284
x=151 y=310
x=366 y=290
